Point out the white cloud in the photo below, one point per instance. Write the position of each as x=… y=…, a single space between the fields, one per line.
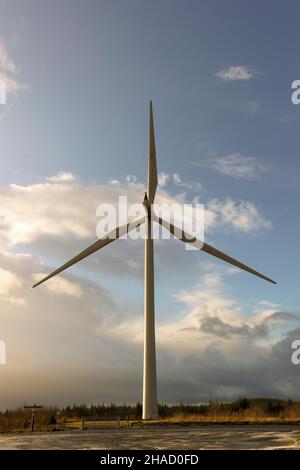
x=163 y=179
x=237 y=166
x=31 y=214
x=131 y=179
x=62 y=177
x=189 y=185
x=212 y=317
x=6 y=62
x=267 y=303
x=8 y=281
x=8 y=73
x=9 y=284
x=60 y=286
x=11 y=85
x=236 y=72
x=240 y=216
x=68 y=210
x=176 y=178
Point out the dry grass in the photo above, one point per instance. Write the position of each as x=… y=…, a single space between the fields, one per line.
x=242 y=411
x=287 y=413
x=10 y=424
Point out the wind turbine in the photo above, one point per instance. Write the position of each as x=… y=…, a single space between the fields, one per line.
x=150 y=408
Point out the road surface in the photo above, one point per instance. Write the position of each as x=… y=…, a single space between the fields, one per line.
x=160 y=438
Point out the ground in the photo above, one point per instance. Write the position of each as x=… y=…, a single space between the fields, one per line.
x=158 y=438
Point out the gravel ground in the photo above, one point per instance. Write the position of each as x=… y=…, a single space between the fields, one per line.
x=156 y=438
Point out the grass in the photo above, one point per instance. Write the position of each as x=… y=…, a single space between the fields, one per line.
x=241 y=411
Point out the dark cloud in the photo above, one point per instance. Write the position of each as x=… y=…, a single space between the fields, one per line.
x=246 y=369
x=215 y=326
x=283 y=316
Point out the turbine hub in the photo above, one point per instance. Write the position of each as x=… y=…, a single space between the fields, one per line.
x=146 y=204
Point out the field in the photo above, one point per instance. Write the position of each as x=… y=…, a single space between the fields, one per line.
x=241 y=411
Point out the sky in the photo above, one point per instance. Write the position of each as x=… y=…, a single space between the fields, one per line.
x=74 y=134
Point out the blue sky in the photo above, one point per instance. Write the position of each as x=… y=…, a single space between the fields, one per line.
x=88 y=70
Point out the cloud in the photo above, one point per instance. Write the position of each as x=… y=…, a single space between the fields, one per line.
x=8 y=75
x=10 y=288
x=237 y=166
x=42 y=212
x=242 y=216
x=163 y=179
x=210 y=349
x=190 y=185
x=215 y=326
x=236 y=72
x=92 y=313
x=62 y=177
x=8 y=281
x=219 y=351
x=6 y=62
x=244 y=368
x=210 y=315
x=11 y=85
x=175 y=178
x=60 y=286
x=131 y=179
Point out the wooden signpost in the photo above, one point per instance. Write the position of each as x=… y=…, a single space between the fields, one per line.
x=33 y=408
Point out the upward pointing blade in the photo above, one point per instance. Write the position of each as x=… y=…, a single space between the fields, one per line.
x=152 y=169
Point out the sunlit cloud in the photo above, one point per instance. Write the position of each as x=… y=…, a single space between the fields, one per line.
x=27 y=217
x=62 y=177
x=238 y=166
x=236 y=73
x=8 y=74
x=60 y=286
x=240 y=216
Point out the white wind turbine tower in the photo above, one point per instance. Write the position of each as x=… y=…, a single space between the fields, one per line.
x=150 y=408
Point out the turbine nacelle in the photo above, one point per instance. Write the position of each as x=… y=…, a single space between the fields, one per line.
x=147 y=205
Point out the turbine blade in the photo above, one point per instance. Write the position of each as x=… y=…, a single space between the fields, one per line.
x=208 y=248
x=152 y=168
x=110 y=237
